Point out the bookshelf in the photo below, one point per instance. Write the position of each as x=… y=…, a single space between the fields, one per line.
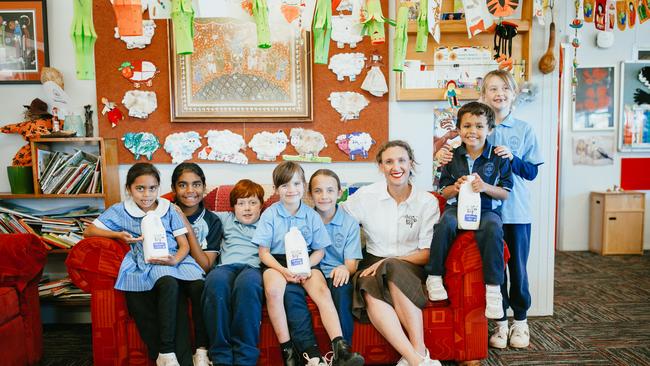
x=454 y=33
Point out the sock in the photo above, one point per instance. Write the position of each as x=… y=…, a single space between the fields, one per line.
x=525 y=321
x=337 y=339
x=286 y=345
x=436 y=278
x=201 y=351
x=502 y=323
x=492 y=288
x=313 y=351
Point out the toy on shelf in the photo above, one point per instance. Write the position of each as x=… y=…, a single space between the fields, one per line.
x=38 y=123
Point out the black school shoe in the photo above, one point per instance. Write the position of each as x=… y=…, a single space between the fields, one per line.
x=343 y=356
x=290 y=357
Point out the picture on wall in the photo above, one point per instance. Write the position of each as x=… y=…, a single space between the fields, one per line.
x=229 y=79
x=634 y=128
x=23 y=41
x=594 y=99
x=444 y=132
x=593 y=150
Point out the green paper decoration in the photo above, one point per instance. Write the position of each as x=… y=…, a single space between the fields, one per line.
x=183 y=23
x=322 y=31
x=83 y=37
x=423 y=27
x=261 y=16
x=373 y=25
x=401 y=38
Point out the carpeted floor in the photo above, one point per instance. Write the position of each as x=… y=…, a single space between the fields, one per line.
x=601 y=317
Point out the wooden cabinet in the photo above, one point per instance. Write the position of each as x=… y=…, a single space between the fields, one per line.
x=453 y=33
x=616 y=222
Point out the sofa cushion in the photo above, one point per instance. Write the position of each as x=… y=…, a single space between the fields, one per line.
x=8 y=304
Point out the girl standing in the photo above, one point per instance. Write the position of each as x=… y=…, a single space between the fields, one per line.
x=151 y=288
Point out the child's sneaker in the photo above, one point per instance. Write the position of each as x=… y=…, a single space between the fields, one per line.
x=519 y=335
x=493 y=302
x=499 y=339
x=314 y=361
x=167 y=359
x=435 y=288
x=201 y=358
x=343 y=356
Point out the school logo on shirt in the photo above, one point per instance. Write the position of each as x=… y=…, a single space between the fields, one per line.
x=410 y=220
x=488 y=169
x=513 y=143
x=339 y=240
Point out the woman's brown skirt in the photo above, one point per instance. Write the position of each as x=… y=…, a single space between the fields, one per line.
x=408 y=277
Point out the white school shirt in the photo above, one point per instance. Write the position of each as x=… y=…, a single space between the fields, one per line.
x=393 y=230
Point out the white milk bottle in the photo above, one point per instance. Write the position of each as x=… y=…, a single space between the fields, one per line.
x=469 y=206
x=155 y=237
x=295 y=248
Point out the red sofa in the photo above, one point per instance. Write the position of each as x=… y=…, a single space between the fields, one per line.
x=454 y=330
x=22 y=258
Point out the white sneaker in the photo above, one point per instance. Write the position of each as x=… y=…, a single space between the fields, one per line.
x=167 y=359
x=499 y=339
x=493 y=302
x=519 y=335
x=314 y=361
x=435 y=288
x=201 y=358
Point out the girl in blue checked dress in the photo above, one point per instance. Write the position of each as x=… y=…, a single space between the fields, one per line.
x=151 y=289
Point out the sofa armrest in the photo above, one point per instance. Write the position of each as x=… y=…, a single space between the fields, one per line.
x=94 y=262
x=22 y=258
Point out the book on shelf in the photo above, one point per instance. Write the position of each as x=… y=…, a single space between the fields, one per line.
x=68 y=173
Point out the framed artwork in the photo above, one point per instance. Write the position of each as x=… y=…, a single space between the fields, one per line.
x=23 y=41
x=634 y=126
x=593 y=150
x=229 y=79
x=594 y=105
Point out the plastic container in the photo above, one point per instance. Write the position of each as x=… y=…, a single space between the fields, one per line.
x=469 y=206
x=295 y=248
x=155 y=243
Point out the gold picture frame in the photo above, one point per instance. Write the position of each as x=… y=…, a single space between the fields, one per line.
x=229 y=79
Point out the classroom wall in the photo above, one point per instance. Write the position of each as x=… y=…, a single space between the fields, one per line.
x=576 y=181
x=411 y=121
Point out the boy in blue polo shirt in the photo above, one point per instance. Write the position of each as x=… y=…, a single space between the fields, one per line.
x=493 y=179
x=342 y=257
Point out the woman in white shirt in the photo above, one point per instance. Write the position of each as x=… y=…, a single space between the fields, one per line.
x=397 y=220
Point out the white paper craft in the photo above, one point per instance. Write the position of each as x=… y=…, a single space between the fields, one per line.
x=477 y=17
x=375 y=82
x=348 y=104
x=140 y=103
x=224 y=146
x=538 y=11
x=55 y=97
x=347 y=65
x=434 y=13
x=308 y=144
x=219 y=9
x=181 y=145
x=346 y=29
x=148 y=30
x=307 y=14
x=159 y=9
x=355 y=144
x=345 y=5
x=268 y=145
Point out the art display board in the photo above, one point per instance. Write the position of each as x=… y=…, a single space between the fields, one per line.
x=110 y=53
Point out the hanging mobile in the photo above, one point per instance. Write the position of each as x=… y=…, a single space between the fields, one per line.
x=575 y=24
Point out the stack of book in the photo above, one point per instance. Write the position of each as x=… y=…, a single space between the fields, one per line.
x=62 y=173
x=61 y=289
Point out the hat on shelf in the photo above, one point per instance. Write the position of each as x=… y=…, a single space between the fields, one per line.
x=36 y=108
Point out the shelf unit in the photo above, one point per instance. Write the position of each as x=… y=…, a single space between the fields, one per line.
x=454 y=33
x=106 y=148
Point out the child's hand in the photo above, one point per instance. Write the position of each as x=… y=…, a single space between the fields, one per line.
x=457 y=185
x=169 y=260
x=444 y=155
x=127 y=237
x=478 y=185
x=503 y=151
x=290 y=276
x=340 y=276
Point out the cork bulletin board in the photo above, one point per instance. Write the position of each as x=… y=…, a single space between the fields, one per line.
x=110 y=53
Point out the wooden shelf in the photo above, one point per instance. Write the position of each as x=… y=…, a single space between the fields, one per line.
x=64 y=302
x=68 y=139
x=404 y=94
x=6 y=195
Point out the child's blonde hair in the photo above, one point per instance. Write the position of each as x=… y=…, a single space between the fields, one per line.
x=285 y=171
x=503 y=75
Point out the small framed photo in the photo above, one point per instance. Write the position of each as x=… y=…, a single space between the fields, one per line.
x=634 y=125
x=594 y=105
x=23 y=41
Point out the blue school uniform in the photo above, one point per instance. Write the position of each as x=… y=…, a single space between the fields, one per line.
x=275 y=222
x=232 y=299
x=207 y=228
x=343 y=230
x=520 y=138
x=135 y=274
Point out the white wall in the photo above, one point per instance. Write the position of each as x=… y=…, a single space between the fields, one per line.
x=576 y=181
x=411 y=121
